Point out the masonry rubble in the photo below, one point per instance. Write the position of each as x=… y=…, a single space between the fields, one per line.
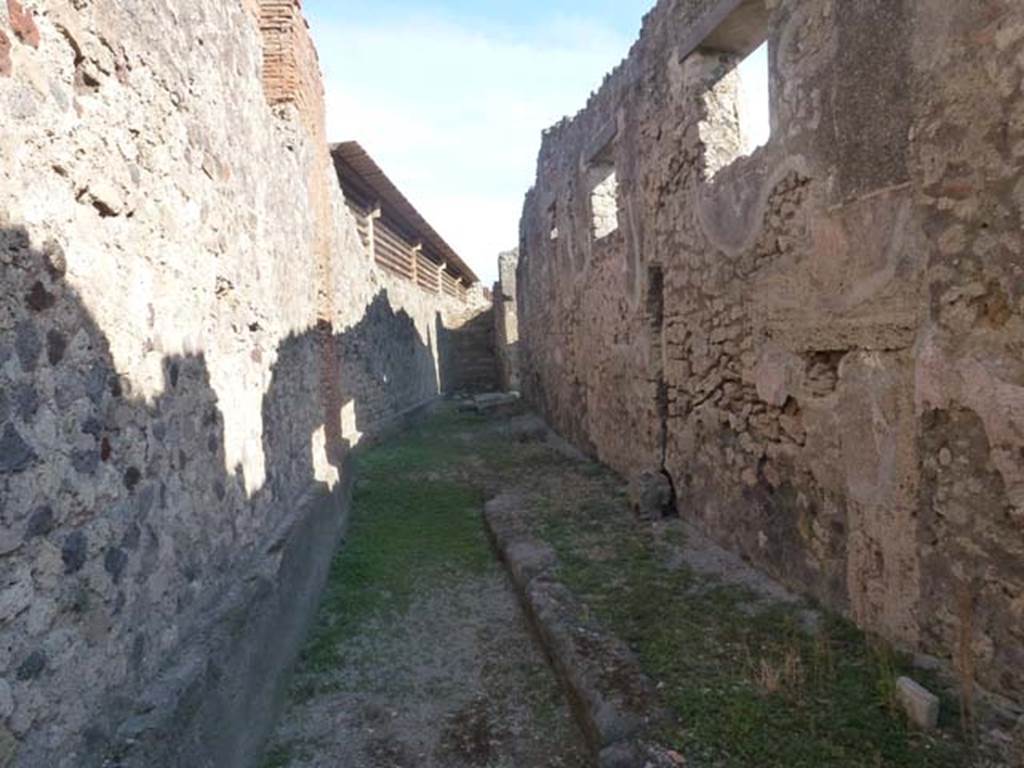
x=193 y=335
x=820 y=342
x=921 y=705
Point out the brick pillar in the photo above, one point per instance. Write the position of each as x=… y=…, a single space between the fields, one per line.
x=291 y=75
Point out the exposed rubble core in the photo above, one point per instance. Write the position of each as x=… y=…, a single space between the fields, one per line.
x=820 y=343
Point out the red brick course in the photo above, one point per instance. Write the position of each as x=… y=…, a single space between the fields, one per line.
x=291 y=67
x=23 y=23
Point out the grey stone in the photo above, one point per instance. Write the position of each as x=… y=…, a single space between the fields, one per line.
x=920 y=704
x=68 y=391
x=926 y=662
x=38 y=298
x=40 y=523
x=8 y=748
x=27 y=344
x=16 y=596
x=21 y=104
x=11 y=538
x=32 y=666
x=114 y=562
x=56 y=261
x=96 y=739
x=59 y=96
x=92 y=426
x=56 y=346
x=622 y=755
x=132 y=536
x=494 y=401
x=132 y=476
x=615 y=706
x=26 y=399
x=15 y=454
x=650 y=495
x=86 y=461
x=147 y=496
x=74 y=552
x=527 y=429
x=5 y=408
x=96 y=382
x=6 y=700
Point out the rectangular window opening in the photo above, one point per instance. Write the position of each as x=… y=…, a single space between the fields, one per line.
x=603 y=184
x=604 y=202
x=738 y=100
x=755 y=100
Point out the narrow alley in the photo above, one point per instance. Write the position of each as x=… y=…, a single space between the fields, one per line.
x=674 y=652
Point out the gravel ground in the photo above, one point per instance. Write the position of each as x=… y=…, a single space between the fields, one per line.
x=456 y=681
x=447 y=676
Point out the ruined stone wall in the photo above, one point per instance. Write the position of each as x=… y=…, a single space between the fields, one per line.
x=820 y=343
x=466 y=339
x=191 y=336
x=506 y=322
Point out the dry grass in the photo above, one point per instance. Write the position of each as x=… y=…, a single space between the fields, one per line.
x=787 y=673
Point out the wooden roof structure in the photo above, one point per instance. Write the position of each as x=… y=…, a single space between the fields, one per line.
x=363 y=181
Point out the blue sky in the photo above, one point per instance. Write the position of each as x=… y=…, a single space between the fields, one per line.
x=451 y=96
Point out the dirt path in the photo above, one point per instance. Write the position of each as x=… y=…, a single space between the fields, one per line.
x=421 y=656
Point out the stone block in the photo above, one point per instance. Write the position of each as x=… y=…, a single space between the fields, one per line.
x=650 y=495
x=15 y=454
x=16 y=597
x=494 y=401
x=28 y=345
x=8 y=748
x=6 y=699
x=920 y=704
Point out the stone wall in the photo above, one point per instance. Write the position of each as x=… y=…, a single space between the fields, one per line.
x=506 y=322
x=192 y=335
x=819 y=343
x=466 y=341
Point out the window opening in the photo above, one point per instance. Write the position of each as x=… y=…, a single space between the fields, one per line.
x=604 y=193
x=735 y=57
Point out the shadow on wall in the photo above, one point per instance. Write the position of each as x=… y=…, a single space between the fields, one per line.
x=468 y=362
x=150 y=608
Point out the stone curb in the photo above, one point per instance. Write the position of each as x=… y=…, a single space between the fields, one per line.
x=613 y=701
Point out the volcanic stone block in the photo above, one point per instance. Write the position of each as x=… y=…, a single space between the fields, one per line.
x=920 y=704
